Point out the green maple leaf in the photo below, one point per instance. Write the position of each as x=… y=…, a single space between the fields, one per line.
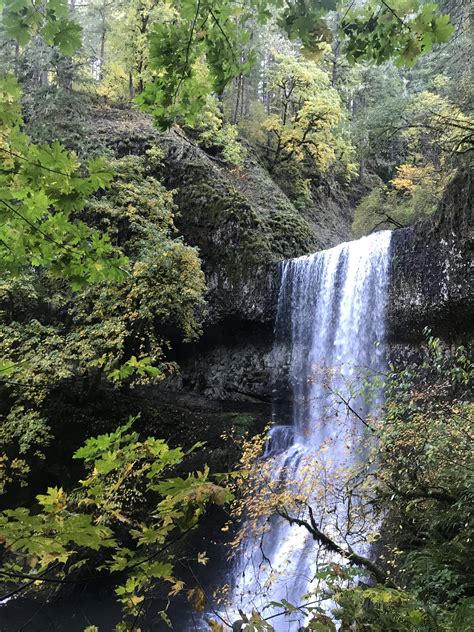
x=100 y=175
x=67 y=35
x=60 y=8
x=16 y=28
x=442 y=29
x=50 y=30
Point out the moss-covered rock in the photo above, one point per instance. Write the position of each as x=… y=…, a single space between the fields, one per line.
x=431 y=276
x=241 y=220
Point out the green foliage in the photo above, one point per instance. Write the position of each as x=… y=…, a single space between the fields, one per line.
x=214 y=133
x=54 y=83
x=103 y=332
x=116 y=38
x=425 y=454
x=401 y=30
x=308 y=117
x=385 y=207
x=435 y=127
x=42 y=189
x=22 y=19
x=307 y=21
x=199 y=30
x=217 y=32
x=123 y=475
x=380 y=97
x=385 y=608
x=56 y=101
x=56 y=113
x=411 y=138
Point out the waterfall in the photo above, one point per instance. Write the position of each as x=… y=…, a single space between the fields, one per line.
x=331 y=322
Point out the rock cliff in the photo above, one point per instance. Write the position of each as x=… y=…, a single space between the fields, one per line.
x=244 y=223
x=432 y=270
x=431 y=285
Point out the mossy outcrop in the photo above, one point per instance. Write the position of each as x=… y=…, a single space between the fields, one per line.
x=431 y=276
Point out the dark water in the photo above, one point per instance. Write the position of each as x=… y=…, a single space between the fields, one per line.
x=93 y=607
x=99 y=609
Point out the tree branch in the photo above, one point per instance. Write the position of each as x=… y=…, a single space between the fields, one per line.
x=349 y=554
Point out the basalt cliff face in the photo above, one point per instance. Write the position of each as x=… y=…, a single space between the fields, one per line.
x=431 y=277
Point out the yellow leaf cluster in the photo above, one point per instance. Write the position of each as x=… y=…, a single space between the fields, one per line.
x=410 y=177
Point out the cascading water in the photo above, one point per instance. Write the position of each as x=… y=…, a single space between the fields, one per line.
x=331 y=319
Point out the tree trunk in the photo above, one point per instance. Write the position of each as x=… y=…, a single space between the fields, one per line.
x=363 y=143
x=237 y=101
x=102 y=50
x=335 y=60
